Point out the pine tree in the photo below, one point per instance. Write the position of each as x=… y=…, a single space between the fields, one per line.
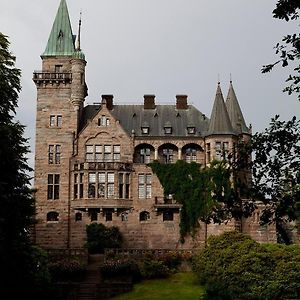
x=19 y=259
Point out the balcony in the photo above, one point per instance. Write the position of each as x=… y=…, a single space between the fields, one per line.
x=112 y=165
x=168 y=202
x=101 y=203
x=51 y=77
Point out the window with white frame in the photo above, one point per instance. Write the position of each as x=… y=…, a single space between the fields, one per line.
x=145 y=186
x=101 y=185
x=99 y=153
x=107 y=153
x=53 y=186
x=54 y=153
x=117 y=152
x=55 y=121
x=92 y=185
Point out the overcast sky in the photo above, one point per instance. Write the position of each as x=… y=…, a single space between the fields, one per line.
x=161 y=47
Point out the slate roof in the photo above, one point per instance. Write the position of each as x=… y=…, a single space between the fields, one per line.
x=219 y=121
x=61 y=39
x=235 y=112
x=133 y=117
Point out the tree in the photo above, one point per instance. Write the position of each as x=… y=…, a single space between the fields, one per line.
x=289 y=48
x=20 y=263
x=276 y=171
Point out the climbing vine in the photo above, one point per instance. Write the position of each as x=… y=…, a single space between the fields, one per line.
x=202 y=192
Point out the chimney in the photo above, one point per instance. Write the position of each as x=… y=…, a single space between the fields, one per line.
x=108 y=100
x=149 y=101
x=181 y=102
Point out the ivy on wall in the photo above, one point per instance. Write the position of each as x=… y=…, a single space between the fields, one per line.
x=202 y=192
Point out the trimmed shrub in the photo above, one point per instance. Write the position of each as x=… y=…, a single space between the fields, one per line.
x=152 y=268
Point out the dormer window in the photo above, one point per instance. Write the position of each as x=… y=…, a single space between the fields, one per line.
x=168 y=130
x=145 y=130
x=191 y=130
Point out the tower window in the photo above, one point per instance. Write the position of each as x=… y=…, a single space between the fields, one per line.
x=53 y=186
x=54 y=153
x=208 y=153
x=55 y=121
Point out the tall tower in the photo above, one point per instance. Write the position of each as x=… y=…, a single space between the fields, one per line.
x=61 y=91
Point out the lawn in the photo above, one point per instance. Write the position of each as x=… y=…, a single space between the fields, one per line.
x=180 y=286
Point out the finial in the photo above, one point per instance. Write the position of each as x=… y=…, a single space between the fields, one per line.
x=78 y=48
x=218 y=78
x=230 y=78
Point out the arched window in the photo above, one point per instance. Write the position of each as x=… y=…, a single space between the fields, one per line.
x=52 y=216
x=144 y=216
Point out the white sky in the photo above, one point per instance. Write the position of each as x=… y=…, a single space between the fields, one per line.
x=161 y=47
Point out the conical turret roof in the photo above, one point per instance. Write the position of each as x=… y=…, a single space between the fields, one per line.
x=235 y=112
x=219 y=120
x=61 y=39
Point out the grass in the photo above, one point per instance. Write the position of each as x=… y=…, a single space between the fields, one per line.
x=180 y=286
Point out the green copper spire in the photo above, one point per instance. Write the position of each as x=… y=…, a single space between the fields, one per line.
x=61 y=39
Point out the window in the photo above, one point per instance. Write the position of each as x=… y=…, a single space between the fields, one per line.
x=92 y=185
x=191 y=130
x=107 y=153
x=108 y=216
x=53 y=186
x=55 y=121
x=168 y=215
x=191 y=155
x=168 y=155
x=98 y=152
x=225 y=150
x=78 y=185
x=124 y=185
x=78 y=217
x=110 y=185
x=103 y=121
x=94 y=215
x=145 y=130
x=218 y=151
x=144 y=216
x=89 y=152
x=54 y=154
x=58 y=68
x=208 y=153
x=145 y=186
x=124 y=216
x=168 y=130
x=145 y=155
x=117 y=150
x=52 y=216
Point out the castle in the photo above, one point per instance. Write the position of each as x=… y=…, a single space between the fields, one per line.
x=91 y=161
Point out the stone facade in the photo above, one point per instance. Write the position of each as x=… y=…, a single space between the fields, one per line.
x=91 y=161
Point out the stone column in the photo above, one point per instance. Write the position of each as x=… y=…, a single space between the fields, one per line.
x=155 y=154
x=179 y=153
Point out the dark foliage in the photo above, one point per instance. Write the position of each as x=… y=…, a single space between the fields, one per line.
x=100 y=237
x=289 y=48
x=22 y=269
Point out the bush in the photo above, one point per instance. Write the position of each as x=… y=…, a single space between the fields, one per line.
x=115 y=268
x=152 y=268
x=100 y=237
x=67 y=270
x=234 y=266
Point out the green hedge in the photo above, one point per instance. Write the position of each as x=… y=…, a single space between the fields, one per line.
x=234 y=266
